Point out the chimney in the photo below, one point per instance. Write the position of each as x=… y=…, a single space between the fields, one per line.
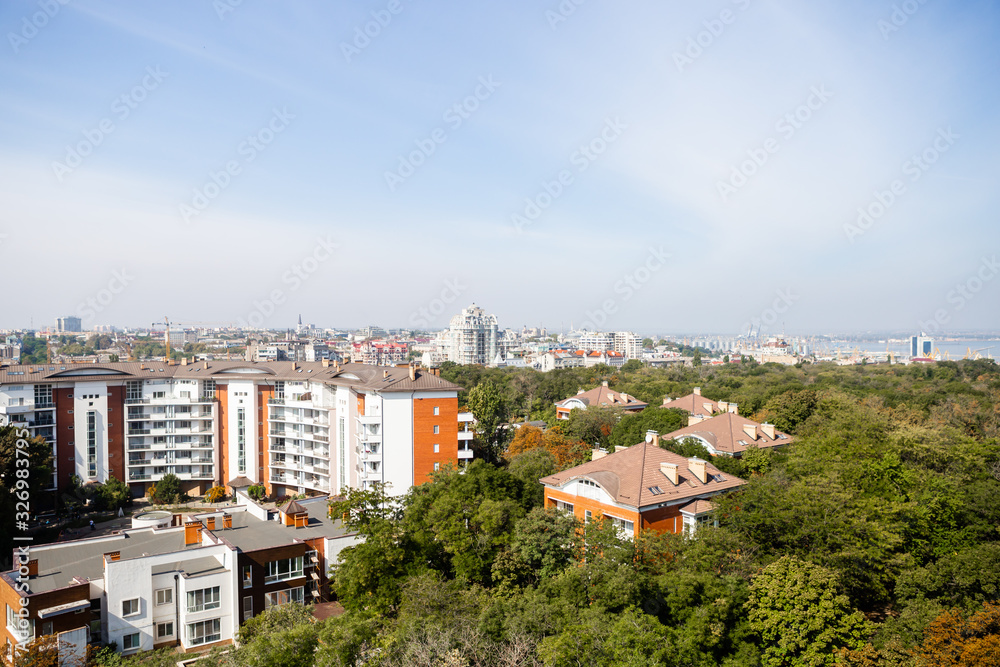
x=723 y=406
x=211 y=523
x=697 y=467
x=653 y=437
x=597 y=454
x=295 y=366
x=604 y=384
x=768 y=430
x=669 y=471
x=32 y=568
x=413 y=373
x=734 y=408
x=697 y=391
x=750 y=430
x=385 y=374
x=695 y=419
x=227 y=521
x=205 y=366
x=142 y=367
x=184 y=361
x=579 y=391
x=113 y=556
x=619 y=448
x=192 y=533
x=325 y=363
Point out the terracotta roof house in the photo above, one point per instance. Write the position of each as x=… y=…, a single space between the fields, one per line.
x=640 y=487
x=697 y=405
x=729 y=434
x=601 y=397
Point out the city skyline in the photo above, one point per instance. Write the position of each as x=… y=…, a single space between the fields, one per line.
x=642 y=168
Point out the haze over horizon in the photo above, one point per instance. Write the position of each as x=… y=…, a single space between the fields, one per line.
x=641 y=166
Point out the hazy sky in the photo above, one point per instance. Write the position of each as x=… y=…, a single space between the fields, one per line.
x=656 y=166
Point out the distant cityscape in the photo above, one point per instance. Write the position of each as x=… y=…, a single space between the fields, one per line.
x=473 y=336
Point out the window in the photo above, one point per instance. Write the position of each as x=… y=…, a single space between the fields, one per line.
x=131 y=642
x=204 y=632
x=130 y=607
x=208 y=389
x=91 y=444
x=247 y=607
x=437 y=448
x=241 y=441
x=284 y=597
x=587 y=516
x=279 y=389
x=626 y=529
x=283 y=570
x=164 y=630
x=247 y=576
x=43 y=395
x=205 y=598
x=437 y=429
x=159 y=394
x=133 y=390
x=46 y=627
x=437 y=466
x=655 y=490
x=164 y=596
x=437 y=411
x=564 y=507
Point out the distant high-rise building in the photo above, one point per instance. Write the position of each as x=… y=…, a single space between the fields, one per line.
x=68 y=324
x=473 y=337
x=922 y=346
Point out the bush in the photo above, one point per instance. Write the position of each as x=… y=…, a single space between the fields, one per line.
x=216 y=494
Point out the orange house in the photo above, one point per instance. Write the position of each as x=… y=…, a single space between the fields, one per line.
x=640 y=487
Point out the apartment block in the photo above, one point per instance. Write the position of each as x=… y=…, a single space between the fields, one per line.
x=297 y=428
x=187 y=582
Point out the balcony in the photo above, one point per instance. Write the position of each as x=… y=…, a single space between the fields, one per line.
x=465 y=435
x=369 y=419
x=465 y=454
x=165 y=400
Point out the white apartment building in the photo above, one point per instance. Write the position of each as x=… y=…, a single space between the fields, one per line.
x=473 y=337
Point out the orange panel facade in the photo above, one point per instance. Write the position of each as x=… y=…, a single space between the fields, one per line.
x=65 y=452
x=425 y=439
x=264 y=394
x=221 y=455
x=597 y=509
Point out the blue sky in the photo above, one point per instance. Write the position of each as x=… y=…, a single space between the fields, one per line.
x=692 y=156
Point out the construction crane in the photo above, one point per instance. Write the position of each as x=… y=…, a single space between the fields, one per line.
x=166 y=333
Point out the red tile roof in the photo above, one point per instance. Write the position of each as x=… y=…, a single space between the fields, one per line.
x=694 y=404
x=725 y=433
x=633 y=476
x=604 y=397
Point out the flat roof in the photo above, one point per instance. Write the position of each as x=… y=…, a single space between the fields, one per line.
x=251 y=534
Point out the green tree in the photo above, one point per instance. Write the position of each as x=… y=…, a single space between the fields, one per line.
x=696 y=358
x=631 y=430
x=491 y=409
x=168 y=489
x=797 y=610
x=22 y=479
x=592 y=425
x=115 y=494
x=631 y=366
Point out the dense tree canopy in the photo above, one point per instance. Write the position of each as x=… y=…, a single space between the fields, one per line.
x=871 y=541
